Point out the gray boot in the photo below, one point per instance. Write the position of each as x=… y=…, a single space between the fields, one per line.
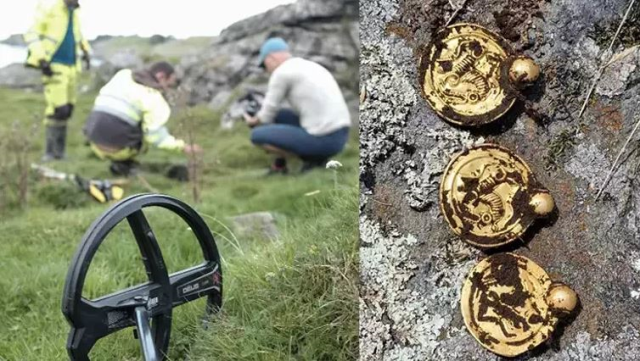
x=56 y=138
x=61 y=142
x=49 y=148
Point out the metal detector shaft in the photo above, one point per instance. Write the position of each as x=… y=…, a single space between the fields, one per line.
x=144 y=334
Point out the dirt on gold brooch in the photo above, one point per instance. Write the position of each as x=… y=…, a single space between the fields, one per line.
x=510 y=305
x=489 y=196
x=470 y=77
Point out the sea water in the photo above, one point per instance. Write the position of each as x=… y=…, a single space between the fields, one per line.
x=12 y=54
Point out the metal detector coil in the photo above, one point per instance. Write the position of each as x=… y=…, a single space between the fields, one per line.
x=148 y=306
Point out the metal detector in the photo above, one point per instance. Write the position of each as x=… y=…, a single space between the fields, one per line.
x=148 y=306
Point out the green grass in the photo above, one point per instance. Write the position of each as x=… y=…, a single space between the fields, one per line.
x=290 y=299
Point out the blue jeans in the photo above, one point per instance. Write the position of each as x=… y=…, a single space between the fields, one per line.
x=288 y=135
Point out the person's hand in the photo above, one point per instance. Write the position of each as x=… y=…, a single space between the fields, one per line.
x=87 y=61
x=45 y=66
x=192 y=149
x=251 y=121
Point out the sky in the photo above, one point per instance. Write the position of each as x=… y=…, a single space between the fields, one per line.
x=181 y=19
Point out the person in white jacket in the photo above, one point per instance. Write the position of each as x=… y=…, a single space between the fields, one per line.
x=130 y=114
x=316 y=128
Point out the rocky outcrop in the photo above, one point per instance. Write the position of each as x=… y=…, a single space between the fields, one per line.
x=322 y=31
x=17 y=76
x=14 y=40
x=218 y=71
x=113 y=53
x=123 y=59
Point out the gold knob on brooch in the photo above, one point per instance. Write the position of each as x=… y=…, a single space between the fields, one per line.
x=523 y=71
x=542 y=203
x=562 y=298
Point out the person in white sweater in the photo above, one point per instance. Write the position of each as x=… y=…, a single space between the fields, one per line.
x=316 y=128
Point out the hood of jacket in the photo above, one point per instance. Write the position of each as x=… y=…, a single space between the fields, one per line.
x=144 y=77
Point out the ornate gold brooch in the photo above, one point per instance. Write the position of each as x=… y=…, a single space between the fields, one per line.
x=469 y=76
x=489 y=196
x=510 y=305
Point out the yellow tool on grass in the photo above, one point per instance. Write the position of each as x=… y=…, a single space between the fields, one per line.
x=102 y=191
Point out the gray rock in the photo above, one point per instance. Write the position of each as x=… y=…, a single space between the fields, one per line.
x=14 y=40
x=17 y=76
x=255 y=225
x=220 y=100
x=125 y=59
x=321 y=31
x=412 y=266
x=623 y=69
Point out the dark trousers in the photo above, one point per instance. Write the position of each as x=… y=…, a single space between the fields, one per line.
x=288 y=135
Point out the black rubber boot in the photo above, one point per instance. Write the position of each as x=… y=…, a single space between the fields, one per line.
x=278 y=167
x=124 y=168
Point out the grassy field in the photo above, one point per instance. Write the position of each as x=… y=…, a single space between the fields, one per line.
x=294 y=298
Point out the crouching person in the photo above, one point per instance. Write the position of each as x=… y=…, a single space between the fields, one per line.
x=130 y=115
x=317 y=127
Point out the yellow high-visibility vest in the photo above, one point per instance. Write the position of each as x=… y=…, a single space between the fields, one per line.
x=48 y=31
x=140 y=106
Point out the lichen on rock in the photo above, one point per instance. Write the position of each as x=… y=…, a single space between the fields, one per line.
x=424 y=183
x=397 y=322
x=412 y=264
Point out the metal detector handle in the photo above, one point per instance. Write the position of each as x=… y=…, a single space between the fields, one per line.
x=144 y=334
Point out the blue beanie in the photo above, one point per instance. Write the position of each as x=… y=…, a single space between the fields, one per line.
x=272 y=45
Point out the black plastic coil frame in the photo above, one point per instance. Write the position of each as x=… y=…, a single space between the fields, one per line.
x=92 y=320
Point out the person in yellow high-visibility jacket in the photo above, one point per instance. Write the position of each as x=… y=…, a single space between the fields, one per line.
x=58 y=48
x=130 y=114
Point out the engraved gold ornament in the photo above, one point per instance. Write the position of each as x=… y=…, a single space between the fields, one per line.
x=510 y=305
x=469 y=76
x=489 y=196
